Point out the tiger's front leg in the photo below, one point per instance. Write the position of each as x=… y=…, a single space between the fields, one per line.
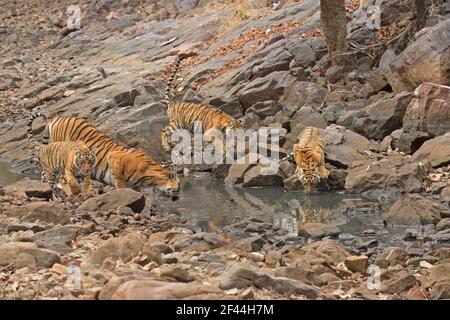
x=323 y=172
x=72 y=182
x=117 y=173
x=86 y=186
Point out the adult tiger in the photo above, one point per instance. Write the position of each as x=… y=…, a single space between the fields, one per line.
x=309 y=157
x=183 y=115
x=116 y=165
x=71 y=161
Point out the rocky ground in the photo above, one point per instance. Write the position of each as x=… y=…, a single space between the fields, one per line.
x=384 y=116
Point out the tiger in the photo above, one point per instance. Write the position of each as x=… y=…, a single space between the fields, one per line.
x=116 y=165
x=184 y=115
x=71 y=161
x=309 y=157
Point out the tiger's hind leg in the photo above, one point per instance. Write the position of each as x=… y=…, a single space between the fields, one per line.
x=165 y=136
x=52 y=178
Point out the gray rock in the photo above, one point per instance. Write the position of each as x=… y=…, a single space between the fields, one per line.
x=317 y=230
x=414 y=209
x=23 y=254
x=115 y=199
x=387 y=178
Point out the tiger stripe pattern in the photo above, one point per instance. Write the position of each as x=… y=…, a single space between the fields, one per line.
x=183 y=115
x=116 y=165
x=309 y=157
x=71 y=161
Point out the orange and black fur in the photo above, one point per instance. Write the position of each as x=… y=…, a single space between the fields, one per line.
x=309 y=156
x=71 y=161
x=183 y=115
x=116 y=165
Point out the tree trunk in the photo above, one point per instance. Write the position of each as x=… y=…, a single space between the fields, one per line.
x=334 y=26
x=422 y=14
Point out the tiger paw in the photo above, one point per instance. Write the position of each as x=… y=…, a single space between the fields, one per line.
x=324 y=173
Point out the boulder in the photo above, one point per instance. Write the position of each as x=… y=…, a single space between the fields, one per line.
x=357 y=263
x=414 y=209
x=25 y=254
x=427 y=59
x=379 y=119
x=299 y=94
x=161 y=290
x=427 y=116
x=64 y=235
x=241 y=276
x=43 y=211
x=115 y=199
x=435 y=151
x=316 y=230
x=270 y=87
x=29 y=188
x=198 y=242
x=343 y=147
x=387 y=178
x=261 y=176
x=124 y=248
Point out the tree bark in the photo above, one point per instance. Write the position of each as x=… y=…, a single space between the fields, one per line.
x=422 y=14
x=334 y=26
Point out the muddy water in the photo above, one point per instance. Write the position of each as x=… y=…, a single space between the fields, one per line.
x=6 y=175
x=207 y=203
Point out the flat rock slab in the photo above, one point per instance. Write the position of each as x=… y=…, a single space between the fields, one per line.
x=115 y=199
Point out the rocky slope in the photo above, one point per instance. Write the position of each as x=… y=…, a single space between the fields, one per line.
x=384 y=117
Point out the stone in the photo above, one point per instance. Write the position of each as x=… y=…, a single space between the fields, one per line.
x=357 y=263
x=160 y=290
x=40 y=211
x=25 y=254
x=64 y=234
x=273 y=258
x=239 y=168
x=124 y=248
x=241 y=276
x=29 y=188
x=316 y=230
x=398 y=285
x=443 y=224
x=344 y=147
x=424 y=60
x=202 y=241
x=436 y=151
x=262 y=176
x=176 y=272
x=115 y=199
x=334 y=74
x=388 y=178
x=445 y=194
x=379 y=119
x=270 y=87
x=414 y=209
x=252 y=244
x=299 y=94
x=392 y=256
x=427 y=116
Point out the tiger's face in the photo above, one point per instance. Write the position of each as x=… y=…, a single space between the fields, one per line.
x=235 y=124
x=161 y=179
x=84 y=160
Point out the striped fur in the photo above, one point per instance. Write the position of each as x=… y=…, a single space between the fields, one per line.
x=71 y=161
x=183 y=115
x=309 y=157
x=116 y=165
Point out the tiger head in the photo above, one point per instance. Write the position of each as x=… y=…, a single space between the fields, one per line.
x=159 y=177
x=234 y=124
x=84 y=160
x=306 y=168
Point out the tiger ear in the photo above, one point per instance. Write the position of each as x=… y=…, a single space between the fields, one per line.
x=76 y=152
x=94 y=150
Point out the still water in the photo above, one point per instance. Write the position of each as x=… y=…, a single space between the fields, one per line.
x=207 y=202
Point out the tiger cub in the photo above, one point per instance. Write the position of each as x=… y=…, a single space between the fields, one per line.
x=70 y=161
x=309 y=157
x=183 y=115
